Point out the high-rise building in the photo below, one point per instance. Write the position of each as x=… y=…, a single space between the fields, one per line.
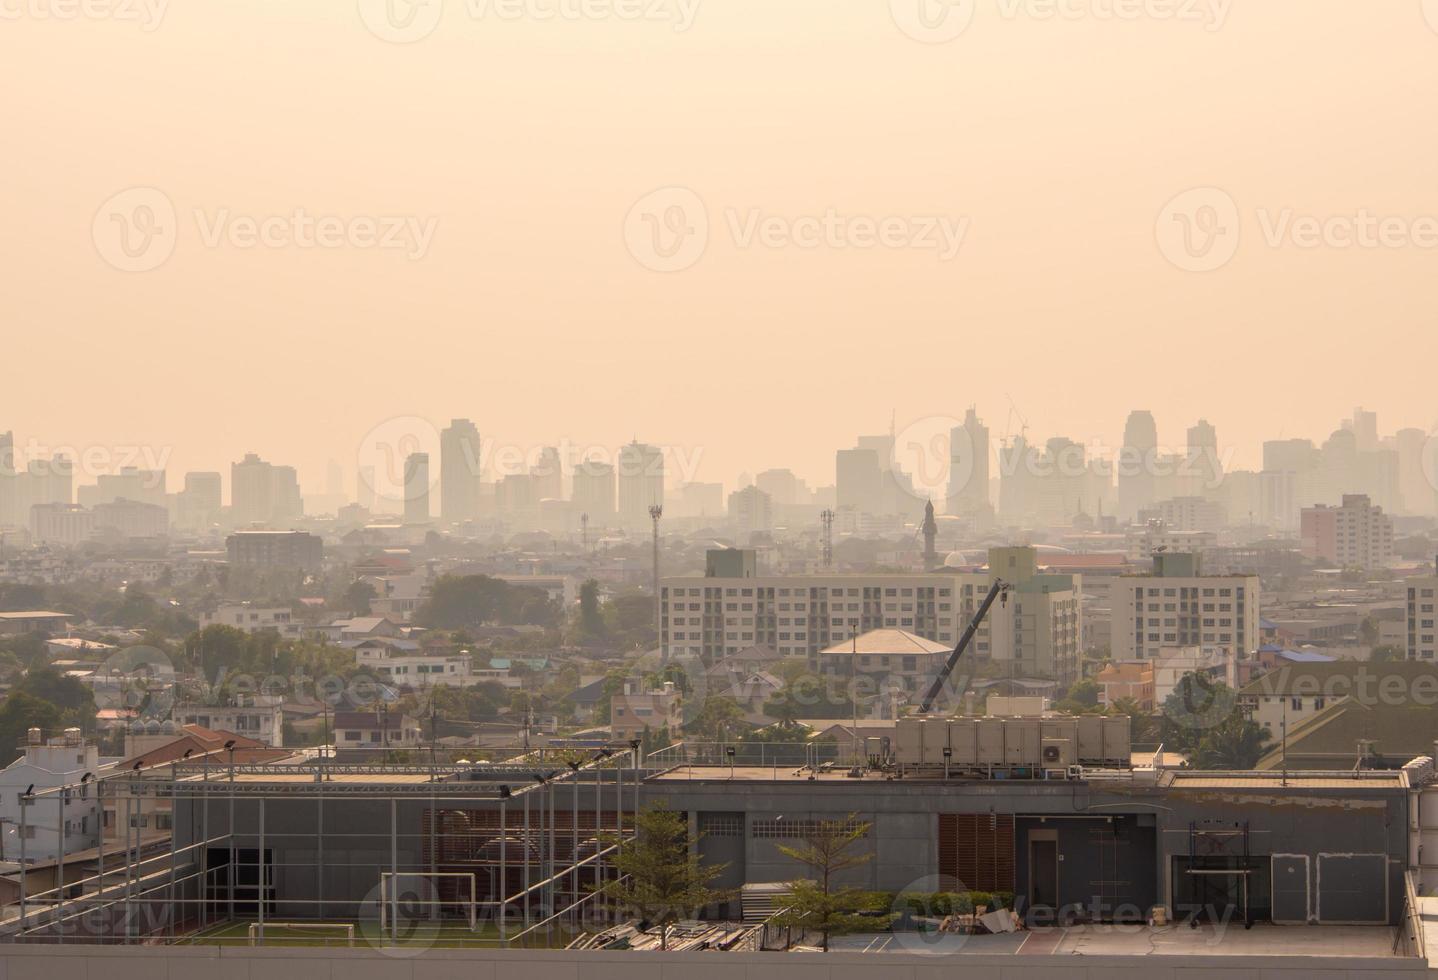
x=968 y=491
x=198 y=505
x=1355 y=534
x=1204 y=469
x=263 y=493
x=548 y=474
x=1137 y=465
x=8 y=508
x=858 y=479
x=751 y=511
x=641 y=483
x=459 y=472
x=594 y=491
x=1178 y=606
x=1422 y=600
x=783 y=487
x=416 y=488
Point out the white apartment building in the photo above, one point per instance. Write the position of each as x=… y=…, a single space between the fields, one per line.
x=1038 y=628
x=1178 y=606
x=253 y=619
x=390 y=663
x=1355 y=534
x=262 y=719
x=1422 y=597
x=48 y=764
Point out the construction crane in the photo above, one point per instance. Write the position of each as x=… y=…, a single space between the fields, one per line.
x=999 y=590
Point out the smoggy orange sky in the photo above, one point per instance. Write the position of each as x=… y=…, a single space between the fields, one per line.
x=752 y=227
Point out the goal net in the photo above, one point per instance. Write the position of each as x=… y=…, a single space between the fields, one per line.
x=428 y=896
x=302 y=932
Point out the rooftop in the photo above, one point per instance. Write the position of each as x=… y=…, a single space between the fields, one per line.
x=893 y=642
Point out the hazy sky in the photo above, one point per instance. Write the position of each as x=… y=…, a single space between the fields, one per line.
x=896 y=223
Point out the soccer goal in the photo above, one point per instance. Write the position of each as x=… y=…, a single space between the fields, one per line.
x=297 y=930
x=390 y=883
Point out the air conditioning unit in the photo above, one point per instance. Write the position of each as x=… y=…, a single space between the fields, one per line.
x=1057 y=753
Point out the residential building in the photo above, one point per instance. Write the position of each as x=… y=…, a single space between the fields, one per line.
x=635 y=711
x=1355 y=534
x=1133 y=680
x=370 y=731
x=893 y=660
x=1036 y=631
x=131 y=519
x=198 y=505
x=275 y=549
x=254 y=619
x=258 y=717
x=392 y=662
x=1179 y=606
x=62 y=524
x=751 y=511
x=48 y=764
x=263 y=493
x=1419 y=616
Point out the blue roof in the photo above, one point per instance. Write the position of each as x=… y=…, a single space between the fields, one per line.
x=1306 y=657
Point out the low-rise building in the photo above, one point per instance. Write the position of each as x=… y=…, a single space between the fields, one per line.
x=254 y=619
x=635 y=711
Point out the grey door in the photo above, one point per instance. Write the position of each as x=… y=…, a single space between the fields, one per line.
x=1290 y=888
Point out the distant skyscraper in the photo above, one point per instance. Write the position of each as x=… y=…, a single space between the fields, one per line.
x=594 y=491
x=968 y=492
x=416 y=488
x=262 y=493
x=641 y=483
x=459 y=472
x=751 y=511
x=7 y=479
x=548 y=475
x=1137 y=477
x=859 y=480
x=198 y=504
x=1204 y=469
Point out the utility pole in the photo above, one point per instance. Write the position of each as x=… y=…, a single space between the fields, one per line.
x=656 y=512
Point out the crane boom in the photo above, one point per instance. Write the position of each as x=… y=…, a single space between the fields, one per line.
x=1000 y=587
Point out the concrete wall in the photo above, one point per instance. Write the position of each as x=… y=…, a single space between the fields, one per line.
x=243 y=963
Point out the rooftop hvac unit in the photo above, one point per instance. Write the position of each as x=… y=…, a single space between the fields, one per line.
x=1058 y=753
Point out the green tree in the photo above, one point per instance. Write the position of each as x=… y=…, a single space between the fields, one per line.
x=1197 y=705
x=1386 y=653
x=1235 y=743
x=660 y=877
x=819 y=901
x=591 y=617
x=67 y=694
x=19 y=713
x=718 y=720
x=358 y=597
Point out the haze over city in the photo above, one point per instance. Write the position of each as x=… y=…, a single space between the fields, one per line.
x=685 y=488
